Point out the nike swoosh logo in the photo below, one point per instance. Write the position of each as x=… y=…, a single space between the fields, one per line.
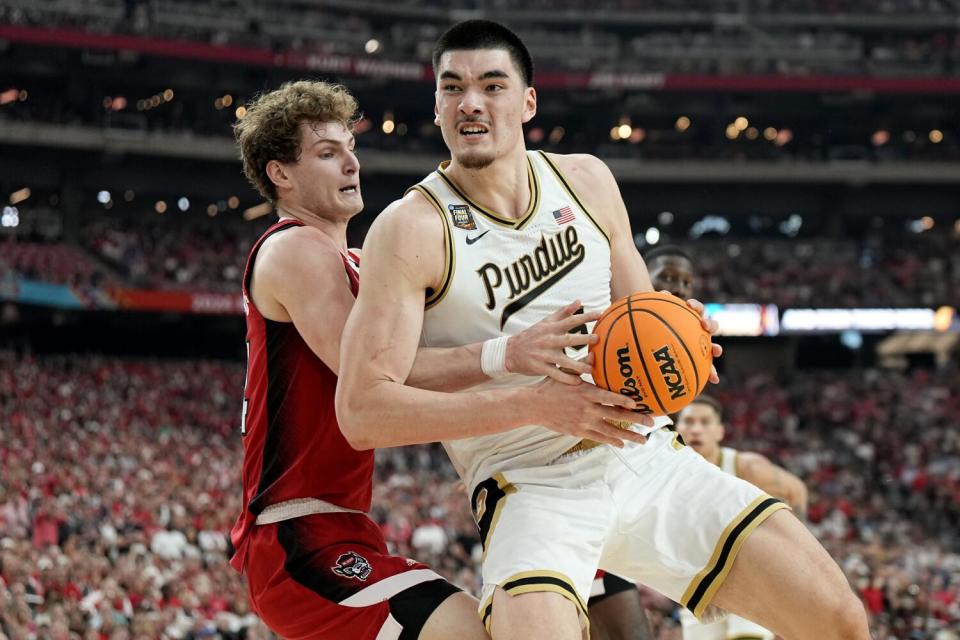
x=474 y=239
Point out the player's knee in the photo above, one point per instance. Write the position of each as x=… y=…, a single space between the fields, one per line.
x=538 y=615
x=457 y=618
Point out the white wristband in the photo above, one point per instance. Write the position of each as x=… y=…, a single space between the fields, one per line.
x=493 y=357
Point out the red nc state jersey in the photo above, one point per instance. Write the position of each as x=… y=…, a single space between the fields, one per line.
x=292 y=444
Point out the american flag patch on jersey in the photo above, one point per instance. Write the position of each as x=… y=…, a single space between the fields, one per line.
x=563 y=215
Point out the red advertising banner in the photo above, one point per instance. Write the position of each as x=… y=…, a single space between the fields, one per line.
x=178 y=301
x=417 y=72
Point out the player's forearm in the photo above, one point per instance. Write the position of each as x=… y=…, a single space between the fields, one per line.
x=447 y=369
x=391 y=414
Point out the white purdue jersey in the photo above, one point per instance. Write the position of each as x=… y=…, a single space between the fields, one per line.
x=728 y=460
x=502 y=276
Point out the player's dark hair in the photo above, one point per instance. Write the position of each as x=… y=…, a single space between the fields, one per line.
x=485 y=34
x=667 y=250
x=711 y=402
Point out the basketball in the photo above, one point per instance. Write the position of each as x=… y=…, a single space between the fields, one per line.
x=653 y=349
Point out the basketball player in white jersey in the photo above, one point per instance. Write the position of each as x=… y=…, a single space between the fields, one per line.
x=484 y=247
x=700 y=424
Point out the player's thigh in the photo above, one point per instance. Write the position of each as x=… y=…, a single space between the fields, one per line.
x=330 y=576
x=619 y=616
x=682 y=521
x=456 y=617
x=784 y=580
x=535 y=615
x=539 y=538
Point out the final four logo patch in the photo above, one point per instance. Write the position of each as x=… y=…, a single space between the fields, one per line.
x=462 y=217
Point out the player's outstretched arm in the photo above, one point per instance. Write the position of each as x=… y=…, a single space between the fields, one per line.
x=773 y=479
x=403 y=257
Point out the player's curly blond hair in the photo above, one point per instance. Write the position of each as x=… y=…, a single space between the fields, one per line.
x=270 y=129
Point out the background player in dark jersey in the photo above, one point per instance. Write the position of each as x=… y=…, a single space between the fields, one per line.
x=616 y=610
x=671 y=269
x=317 y=566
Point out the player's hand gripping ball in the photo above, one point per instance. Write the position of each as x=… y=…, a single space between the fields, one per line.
x=653 y=349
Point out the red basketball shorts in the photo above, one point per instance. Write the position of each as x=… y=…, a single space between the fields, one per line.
x=330 y=576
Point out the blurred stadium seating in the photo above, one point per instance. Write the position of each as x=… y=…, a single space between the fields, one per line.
x=119 y=484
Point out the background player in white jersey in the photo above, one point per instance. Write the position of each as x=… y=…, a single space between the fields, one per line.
x=492 y=241
x=701 y=426
x=701 y=423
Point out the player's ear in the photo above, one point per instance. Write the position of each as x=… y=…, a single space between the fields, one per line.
x=277 y=174
x=436 y=109
x=529 y=104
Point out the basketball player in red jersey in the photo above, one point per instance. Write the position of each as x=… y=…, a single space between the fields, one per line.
x=317 y=566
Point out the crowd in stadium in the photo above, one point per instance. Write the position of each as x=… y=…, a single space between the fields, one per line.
x=163 y=255
x=119 y=488
x=119 y=485
x=120 y=476
x=208 y=256
x=816 y=272
x=56 y=262
x=406 y=32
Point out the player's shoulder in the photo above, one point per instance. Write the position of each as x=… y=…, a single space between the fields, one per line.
x=581 y=168
x=295 y=248
x=748 y=461
x=410 y=216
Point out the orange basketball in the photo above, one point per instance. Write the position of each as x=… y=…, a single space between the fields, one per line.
x=653 y=349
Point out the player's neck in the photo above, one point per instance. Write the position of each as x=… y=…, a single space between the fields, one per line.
x=502 y=186
x=334 y=228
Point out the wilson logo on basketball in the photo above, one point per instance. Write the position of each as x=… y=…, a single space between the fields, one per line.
x=629 y=387
x=668 y=369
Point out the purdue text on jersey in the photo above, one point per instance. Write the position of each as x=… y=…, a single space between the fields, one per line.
x=551 y=260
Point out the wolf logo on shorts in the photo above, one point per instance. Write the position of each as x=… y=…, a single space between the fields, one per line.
x=352 y=565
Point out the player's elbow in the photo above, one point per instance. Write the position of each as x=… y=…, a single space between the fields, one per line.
x=355 y=424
